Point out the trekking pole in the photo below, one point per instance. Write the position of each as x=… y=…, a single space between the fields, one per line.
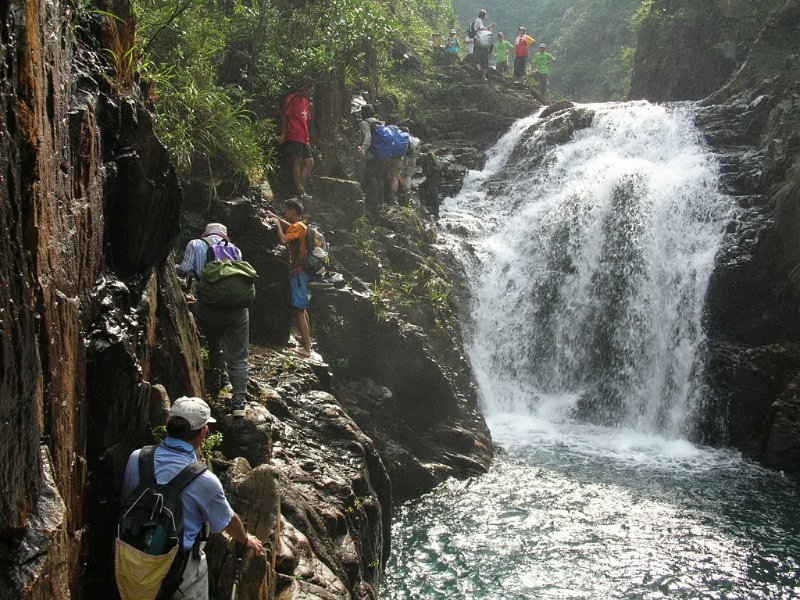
x=237 y=572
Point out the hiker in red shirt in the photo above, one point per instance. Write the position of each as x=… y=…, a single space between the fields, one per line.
x=521 y=45
x=294 y=134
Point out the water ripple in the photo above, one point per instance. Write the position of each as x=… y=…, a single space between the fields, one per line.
x=544 y=525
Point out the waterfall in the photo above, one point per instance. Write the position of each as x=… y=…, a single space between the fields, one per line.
x=593 y=235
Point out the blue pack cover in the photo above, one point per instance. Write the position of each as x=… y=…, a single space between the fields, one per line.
x=388 y=141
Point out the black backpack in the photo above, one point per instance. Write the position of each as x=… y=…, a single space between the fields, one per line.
x=151 y=517
x=471 y=31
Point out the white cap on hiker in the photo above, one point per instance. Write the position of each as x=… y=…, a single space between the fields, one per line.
x=542 y=46
x=521 y=28
x=452 y=31
x=500 y=34
x=216 y=229
x=194 y=410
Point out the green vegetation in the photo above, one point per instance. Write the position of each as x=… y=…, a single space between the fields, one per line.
x=217 y=71
x=422 y=289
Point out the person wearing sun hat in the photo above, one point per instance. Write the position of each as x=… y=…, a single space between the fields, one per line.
x=451 y=46
x=203 y=499
x=227 y=330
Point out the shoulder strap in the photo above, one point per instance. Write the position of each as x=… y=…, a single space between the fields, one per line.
x=207 y=240
x=147 y=465
x=188 y=474
x=311 y=236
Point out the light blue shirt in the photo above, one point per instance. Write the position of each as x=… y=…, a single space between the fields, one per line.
x=203 y=499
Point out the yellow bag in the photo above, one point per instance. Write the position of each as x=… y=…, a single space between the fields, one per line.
x=139 y=575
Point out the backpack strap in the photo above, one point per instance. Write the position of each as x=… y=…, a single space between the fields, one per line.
x=187 y=475
x=147 y=465
x=301 y=247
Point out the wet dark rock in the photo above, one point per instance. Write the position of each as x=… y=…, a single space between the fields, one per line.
x=322 y=504
x=782 y=444
x=752 y=123
x=31 y=565
x=443 y=179
x=255 y=496
x=454 y=104
x=405 y=56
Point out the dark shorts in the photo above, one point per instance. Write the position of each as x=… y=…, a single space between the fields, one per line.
x=298 y=149
x=300 y=295
x=482 y=57
x=519 y=66
x=502 y=67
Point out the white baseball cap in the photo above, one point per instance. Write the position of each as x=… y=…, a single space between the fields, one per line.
x=194 y=410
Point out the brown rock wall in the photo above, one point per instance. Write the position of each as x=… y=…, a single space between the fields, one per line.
x=88 y=214
x=753 y=123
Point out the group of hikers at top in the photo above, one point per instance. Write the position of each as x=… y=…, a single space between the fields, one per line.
x=481 y=43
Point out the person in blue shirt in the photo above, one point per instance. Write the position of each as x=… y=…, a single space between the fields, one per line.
x=203 y=499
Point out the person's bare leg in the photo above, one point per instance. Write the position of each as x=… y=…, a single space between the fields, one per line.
x=306 y=167
x=305 y=332
x=297 y=171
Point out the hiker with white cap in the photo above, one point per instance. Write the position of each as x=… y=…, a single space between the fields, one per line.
x=221 y=309
x=202 y=501
x=521 y=52
x=540 y=68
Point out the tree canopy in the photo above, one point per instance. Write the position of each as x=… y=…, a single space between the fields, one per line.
x=217 y=70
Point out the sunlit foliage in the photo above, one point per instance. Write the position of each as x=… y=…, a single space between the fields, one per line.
x=217 y=69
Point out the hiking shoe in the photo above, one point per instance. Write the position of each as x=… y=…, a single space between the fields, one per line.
x=304 y=195
x=238 y=408
x=225 y=384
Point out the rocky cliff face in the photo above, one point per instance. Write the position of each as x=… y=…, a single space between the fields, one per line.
x=96 y=337
x=752 y=121
x=88 y=213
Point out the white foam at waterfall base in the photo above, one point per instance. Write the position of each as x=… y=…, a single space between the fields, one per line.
x=594 y=271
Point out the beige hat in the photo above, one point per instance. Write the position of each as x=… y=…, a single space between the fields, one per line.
x=216 y=229
x=194 y=410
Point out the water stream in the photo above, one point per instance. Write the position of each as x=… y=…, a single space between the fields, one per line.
x=589 y=262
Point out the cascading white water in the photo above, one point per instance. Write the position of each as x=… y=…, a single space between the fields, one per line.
x=593 y=258
x=588 y=256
